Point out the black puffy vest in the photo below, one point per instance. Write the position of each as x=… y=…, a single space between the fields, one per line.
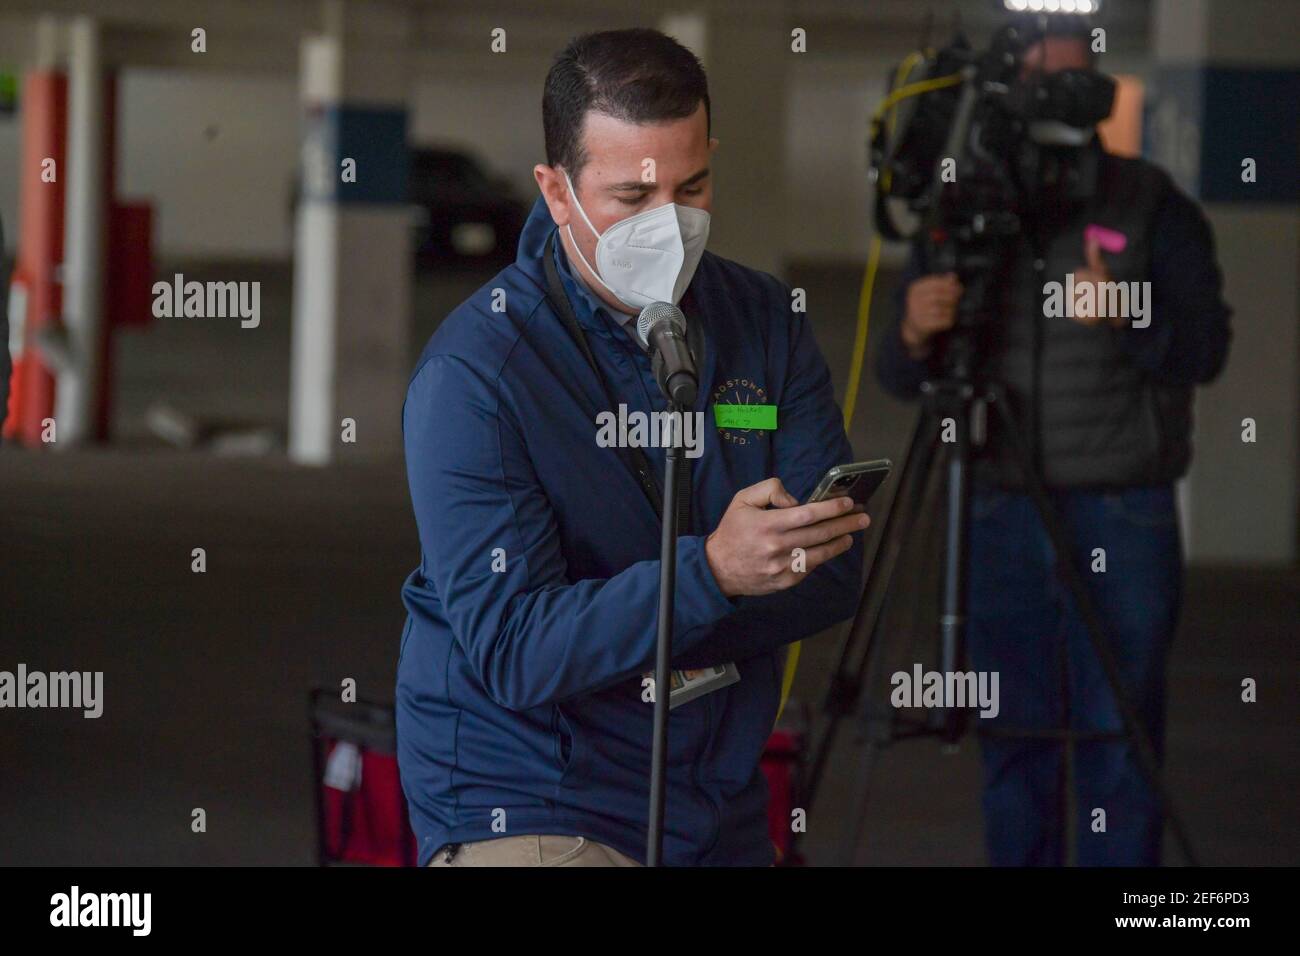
x=1089 y=416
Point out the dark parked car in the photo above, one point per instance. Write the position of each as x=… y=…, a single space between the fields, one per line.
x=462 y=214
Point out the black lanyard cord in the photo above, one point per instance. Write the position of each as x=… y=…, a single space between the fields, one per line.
x=635 y=457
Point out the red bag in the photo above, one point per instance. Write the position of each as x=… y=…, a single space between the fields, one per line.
x=361 y=815
x=783 y=764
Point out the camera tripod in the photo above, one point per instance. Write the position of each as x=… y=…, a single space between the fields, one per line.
x=951 y=404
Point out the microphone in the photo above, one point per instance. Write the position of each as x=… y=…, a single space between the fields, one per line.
x=661 y=327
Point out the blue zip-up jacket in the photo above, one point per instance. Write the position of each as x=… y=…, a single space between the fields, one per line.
x=531 y=617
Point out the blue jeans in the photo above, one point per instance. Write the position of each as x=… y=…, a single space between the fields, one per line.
x=1023 y=624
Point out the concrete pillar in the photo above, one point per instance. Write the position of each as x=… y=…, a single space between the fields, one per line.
x=747 y=60
x=1224 y=91
x=75 y=410
x=46 y=43
x=352 y=246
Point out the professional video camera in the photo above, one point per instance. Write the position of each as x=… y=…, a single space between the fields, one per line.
x=965 y=140
x=964 y=145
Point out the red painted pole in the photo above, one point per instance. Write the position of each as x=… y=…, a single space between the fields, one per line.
x=39 y=247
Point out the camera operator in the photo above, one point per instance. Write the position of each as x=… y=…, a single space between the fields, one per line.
x=1104 y=404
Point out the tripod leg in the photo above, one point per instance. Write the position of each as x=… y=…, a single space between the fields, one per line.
x=857 y=820
x=1096 y=631
x=846 y=680
x=952 y=611
x=952 y=619
x=1066 y=781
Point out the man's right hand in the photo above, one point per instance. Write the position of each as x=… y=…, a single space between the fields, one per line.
x=752 y=550
x=931 y=309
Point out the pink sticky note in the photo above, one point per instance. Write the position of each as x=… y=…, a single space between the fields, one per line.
x=1108 y=239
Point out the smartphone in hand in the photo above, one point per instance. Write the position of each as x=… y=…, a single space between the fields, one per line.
x=858 y=481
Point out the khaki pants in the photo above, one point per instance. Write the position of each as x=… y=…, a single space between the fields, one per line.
x=532 y=851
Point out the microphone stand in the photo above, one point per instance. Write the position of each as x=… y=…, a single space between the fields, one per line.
x=663 y=648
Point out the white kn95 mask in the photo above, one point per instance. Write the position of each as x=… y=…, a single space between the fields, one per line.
x=649 y=257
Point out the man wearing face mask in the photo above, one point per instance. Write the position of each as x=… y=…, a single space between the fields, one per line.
x=1104 y=405
x=524 y=722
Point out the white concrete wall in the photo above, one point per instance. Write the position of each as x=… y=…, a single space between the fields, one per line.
x=10 y=144
x=831 y=100
x=219 y=168
x=1244 y=495
x=498 y=118
x=216 y=154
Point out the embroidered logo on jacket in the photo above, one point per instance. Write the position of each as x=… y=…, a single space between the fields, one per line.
x=740 y=391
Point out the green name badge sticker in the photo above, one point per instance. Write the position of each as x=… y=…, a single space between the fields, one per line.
x=743 y=417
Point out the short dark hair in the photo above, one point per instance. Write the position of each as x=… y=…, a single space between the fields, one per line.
x=638 y=75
